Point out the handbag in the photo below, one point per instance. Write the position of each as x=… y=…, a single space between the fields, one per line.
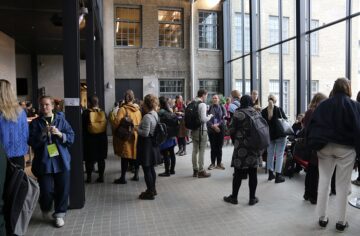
x=284 y=127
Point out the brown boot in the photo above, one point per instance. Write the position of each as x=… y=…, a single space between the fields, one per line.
x=203 y=174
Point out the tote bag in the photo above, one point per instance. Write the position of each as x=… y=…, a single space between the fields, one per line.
x=284 y=126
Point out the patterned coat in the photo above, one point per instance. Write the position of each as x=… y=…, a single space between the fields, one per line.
x=126 y=149
x=243 y=157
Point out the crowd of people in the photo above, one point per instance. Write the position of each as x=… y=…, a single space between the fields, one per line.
x=330 y=127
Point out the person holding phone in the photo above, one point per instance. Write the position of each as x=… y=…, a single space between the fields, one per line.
x=50 y=137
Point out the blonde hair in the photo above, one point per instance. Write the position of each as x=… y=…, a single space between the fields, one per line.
x=9 y=106
x=315 y=101
x=151 y=102
x=270 y=108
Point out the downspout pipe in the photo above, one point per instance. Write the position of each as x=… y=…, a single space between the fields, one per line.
x=192 y=50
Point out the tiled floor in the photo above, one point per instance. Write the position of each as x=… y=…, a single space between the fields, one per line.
x=189 y=206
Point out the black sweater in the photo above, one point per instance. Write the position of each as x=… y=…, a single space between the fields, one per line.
x=273 y=128
x=335 y=120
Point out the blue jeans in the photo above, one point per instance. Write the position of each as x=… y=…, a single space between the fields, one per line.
x=276 y=148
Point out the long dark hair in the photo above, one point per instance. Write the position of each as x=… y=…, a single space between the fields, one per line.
x=163 y=103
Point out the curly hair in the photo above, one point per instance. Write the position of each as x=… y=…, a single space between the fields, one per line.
x=151 y=102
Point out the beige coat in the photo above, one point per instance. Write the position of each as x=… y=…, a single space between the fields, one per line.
x=126 y=149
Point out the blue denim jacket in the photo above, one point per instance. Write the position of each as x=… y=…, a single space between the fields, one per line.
x=14 y=135
x=43 y=163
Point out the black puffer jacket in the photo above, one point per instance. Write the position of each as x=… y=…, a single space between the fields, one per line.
x=273 y=128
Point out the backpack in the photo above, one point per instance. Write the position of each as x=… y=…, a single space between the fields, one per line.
x=125 y=130
x=259 y=130
x=20 y=197
x=192 y=116
x=172 y=123
x=97 y=121
x=160 y=133
x=289 y=167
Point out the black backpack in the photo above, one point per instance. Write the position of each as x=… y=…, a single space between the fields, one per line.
x=259 y=137
x=21 y=194
x=192 y=117
x=125 y=130
x=160 y=134
x=172 y=123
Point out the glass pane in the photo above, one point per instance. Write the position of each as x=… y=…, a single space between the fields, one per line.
x=330 y=64
x=355 y=67
x=289 y=7
x=269 y=28
x=169 y=16
x=328 y=11
x=289 y=77
x=132 y=14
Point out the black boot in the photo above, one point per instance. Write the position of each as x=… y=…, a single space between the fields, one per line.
x=279 y=178
x=136 y=175
x=180 y=150
x=88 y=178
x=271 y=175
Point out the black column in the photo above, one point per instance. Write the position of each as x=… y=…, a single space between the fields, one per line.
x=34 y=80
x=253 y=45
x=348 y=40
x=99 y=78
x=72 y=90
x=90 y=50
x=300 y=56
x=227 y=47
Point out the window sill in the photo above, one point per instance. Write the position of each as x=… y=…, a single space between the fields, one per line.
x=122 y=47
x=209 y=49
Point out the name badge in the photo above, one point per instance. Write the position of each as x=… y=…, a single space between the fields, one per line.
x=53 y=150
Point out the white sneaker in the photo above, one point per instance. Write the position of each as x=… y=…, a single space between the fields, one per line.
x=59 y=222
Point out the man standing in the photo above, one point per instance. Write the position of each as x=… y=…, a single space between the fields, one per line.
x=199 y=136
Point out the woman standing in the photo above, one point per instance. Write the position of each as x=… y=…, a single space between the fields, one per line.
x=245 y=159
x=95 y=144
x=14 y=129
x=255 y=100
x=148 y=153
x=50 y=137
x=216 y=131
x=277 y=140
x=3 y=165
x=179 y=110
x=334 y=131
x=312 y=173
x=126 y=149
x=167 y=148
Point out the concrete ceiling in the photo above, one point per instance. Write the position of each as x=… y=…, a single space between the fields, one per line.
x=32 y=24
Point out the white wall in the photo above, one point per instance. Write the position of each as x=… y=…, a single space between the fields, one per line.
x=7 y=59
x=23 y=70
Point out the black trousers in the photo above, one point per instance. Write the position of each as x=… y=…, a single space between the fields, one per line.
x=150 y=177
x=54 y=188
x=89 y=165
x=239 y=175
x=169 y=159
x=216 y=144
x=19 y=161
x=182 y=142
x=125 y=165
x=312 y=181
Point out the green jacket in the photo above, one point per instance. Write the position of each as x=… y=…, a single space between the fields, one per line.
x=3 y=164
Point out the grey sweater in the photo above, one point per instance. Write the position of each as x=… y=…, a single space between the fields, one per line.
x=148 y=124
x=202 y=113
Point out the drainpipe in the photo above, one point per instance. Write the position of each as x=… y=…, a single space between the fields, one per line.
x=192 y=50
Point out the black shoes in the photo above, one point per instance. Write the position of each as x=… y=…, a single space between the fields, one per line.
x=100 y=180
x=271 y=175
x=165 y=174
x=120 y=181
x=323 y=223
x=279 y=178
x=148 y=195
x=172 y=172
x=341 y=227
x=253 y=201
x=195 y=173
x=306 y=197
x=231 y=199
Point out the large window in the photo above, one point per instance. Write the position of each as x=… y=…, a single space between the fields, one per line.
x=314 y=43
x=170 y=88
x=213 y=86
x=238 y=32
x=170 y=28
x=239 y=86
x=208 y=30
x=274 y=89
x=128 y=26
x=274 y=33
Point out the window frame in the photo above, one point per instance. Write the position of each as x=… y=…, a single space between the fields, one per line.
x=116 y=6
x=286 y=93
x=171 y=23
x=214 y=26
x=238 y=27
x=285 y=46
x=166 y=94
